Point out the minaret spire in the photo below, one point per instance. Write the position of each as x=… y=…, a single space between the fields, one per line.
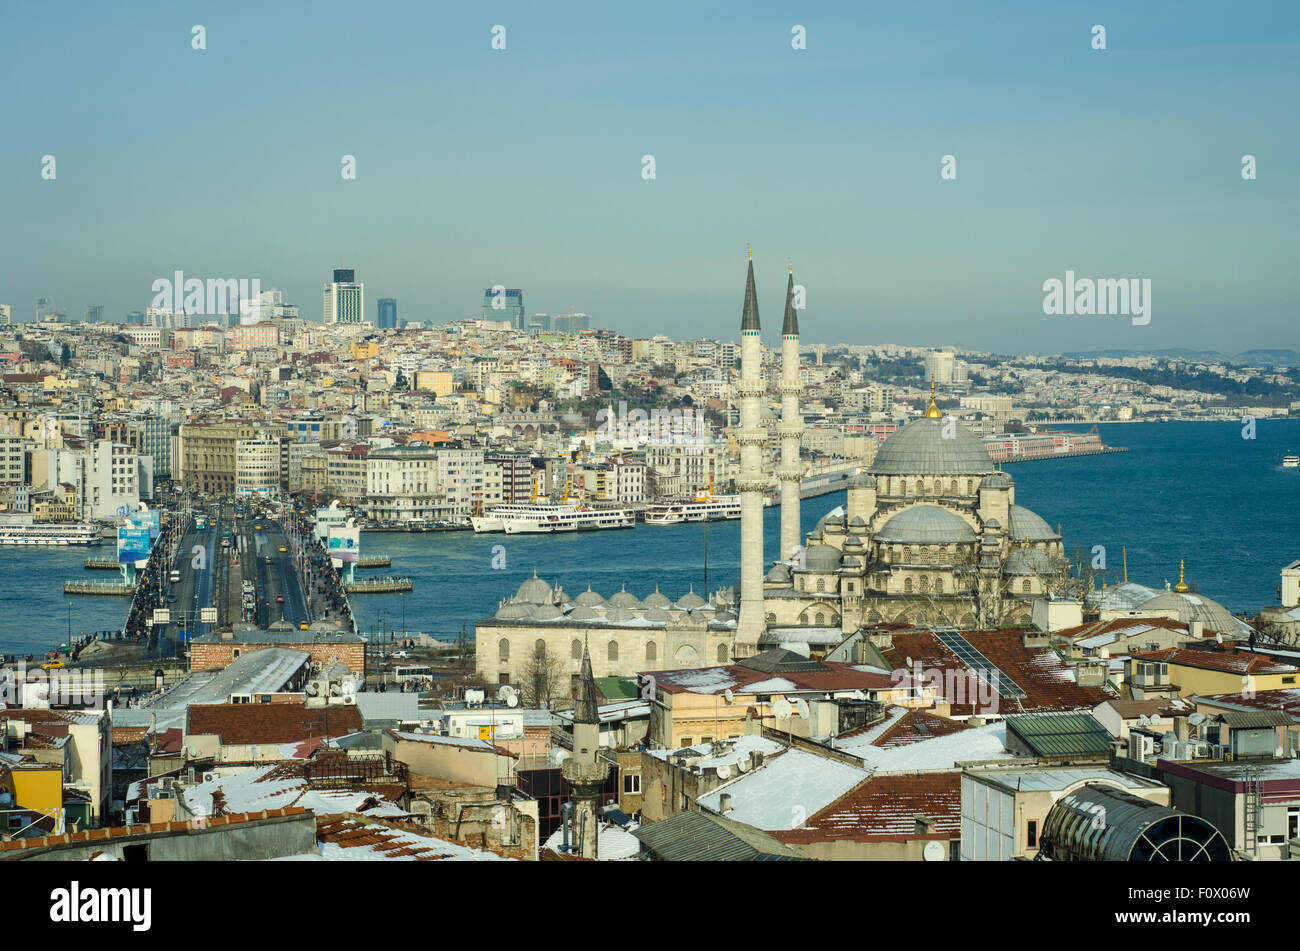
x=790 y=472
x=751 y=485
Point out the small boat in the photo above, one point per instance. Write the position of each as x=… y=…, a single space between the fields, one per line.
x=1291 y=462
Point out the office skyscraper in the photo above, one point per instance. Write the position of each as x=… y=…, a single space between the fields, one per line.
x=5 y=319
x=345 y=299
x=504 y=304
x=387 y=313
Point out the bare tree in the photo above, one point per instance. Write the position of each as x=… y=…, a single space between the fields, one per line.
x=543 y=672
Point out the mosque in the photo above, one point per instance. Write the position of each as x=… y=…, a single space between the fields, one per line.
x=930 y=535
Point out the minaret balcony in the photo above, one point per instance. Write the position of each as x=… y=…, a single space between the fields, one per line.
x=752 y=485
x=755 y=389
x=788 y=430
x=751 y=437
x=790 y=388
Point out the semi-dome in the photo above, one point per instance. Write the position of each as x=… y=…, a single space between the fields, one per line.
x=513 y=611
x=1196 y=607
x=534 y=591
x=822 y=558
x=862 y=480
x=921 y=448
x=1025 y=524
x=926 y=524
x=836 y=513
x=589 y=599
x=1027 y=561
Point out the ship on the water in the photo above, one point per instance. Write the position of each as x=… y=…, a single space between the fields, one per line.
x=1291 y=462
x=535 y=518
x=23 y=530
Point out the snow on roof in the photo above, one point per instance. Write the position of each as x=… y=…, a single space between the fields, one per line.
x=771 y=685
x=1058 y=778
x=248 y=791
x=704 y=680
x=609 y=712
x=350 y=840
x=612 y=843
x=942 y=752
x=785 y=790
x=471 y=742
x=728 y=752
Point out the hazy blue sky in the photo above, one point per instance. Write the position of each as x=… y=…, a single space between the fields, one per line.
x=522 y=167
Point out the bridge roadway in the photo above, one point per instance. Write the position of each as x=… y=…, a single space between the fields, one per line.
x=278 y=576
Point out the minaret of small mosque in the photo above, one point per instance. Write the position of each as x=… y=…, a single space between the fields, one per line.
x=790 y=472
x=585 y=771
x=751 y=485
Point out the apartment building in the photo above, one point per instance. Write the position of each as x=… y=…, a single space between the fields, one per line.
x=209 y=453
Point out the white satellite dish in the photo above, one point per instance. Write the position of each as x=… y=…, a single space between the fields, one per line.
x=512 y=701
x=1144 y=720
x=724 y=771
x=933 y=852
x=909 y=662
x=802 y=707
x=782 y=708
x=1196 y=719
x=727 y=695
x=743 y=765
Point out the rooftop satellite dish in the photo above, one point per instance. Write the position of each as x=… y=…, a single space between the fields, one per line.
x=1196 y=719
x=512 y=701
x=1218 y=638
x=727 y=695
x=802 y=707
x=782 y=708
x=724 y=771
x=933 y=852
x=1144 y=720
x=909 y=661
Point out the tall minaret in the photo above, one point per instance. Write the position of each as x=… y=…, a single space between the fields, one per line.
x=585 y=771
x=791 y=428
x=751 y=485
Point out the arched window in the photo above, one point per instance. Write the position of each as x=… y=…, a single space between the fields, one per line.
x=968 y=487
x=613 y=651
x=821 y=617
x=722 y=653
x=504 y=647
x=907 y=585
x=539 y=647
x=952 y=487
x=651 y=652
x=1025 y=586
x=821 y=584
x=575 y=649
x=938 y=586
x=925 y=584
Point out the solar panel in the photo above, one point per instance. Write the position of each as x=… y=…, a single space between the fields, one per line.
x=977 y=662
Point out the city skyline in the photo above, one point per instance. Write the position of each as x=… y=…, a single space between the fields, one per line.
x=524 y=166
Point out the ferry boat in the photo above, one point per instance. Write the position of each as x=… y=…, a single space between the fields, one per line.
x=1291 y=462
x=27 y=532
x=694 y=510
x=530 y=518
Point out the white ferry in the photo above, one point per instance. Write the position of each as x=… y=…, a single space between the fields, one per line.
x=695 y=510
x=27 y=532
x=1291 y=462
x=529 y=518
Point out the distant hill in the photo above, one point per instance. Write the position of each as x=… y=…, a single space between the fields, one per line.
x=1287 y=358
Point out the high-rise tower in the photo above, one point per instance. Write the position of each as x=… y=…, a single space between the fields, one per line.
x=790 y=430
x=344 y=299
x=751 y=485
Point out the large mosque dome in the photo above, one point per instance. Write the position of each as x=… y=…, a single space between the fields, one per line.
x=1026 y=524
x=926 y=524
x=921 y=448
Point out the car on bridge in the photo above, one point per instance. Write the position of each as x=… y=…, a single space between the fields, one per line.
x=279 y=599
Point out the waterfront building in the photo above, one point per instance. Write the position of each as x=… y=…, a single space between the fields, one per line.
x=257 y=465
x=208 y=453
x=345 y=299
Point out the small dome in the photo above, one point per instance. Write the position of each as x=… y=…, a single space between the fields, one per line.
x=545 y=612
x=700 y=617
x=863 y=480
x=655 y=614
x=1025 y=523
x=822 y=558
x=851 y=561
x=926 y=524
x=656 y=600
x=589 y=599
x=991 y=524
x=1196 y=607
x=853 y=541
x=857 y=524
x=779 y=573
x=513 y=611
x=619 y=613
x=584 y=612
x=624 y=599
x=998 y=480
x=724 y=617
x=690 y=601
x=534 y=591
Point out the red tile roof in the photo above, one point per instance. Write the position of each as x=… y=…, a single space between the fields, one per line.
x=915 y=726
x=246 y=723
x=150 y=828
x=886 y=806
x=1288 y=701
x=1231 y=662
x=835 y=677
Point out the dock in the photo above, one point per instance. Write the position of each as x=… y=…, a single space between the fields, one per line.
x=103 y=588
x=379 y=586
x=373 y=561
x=101 y=564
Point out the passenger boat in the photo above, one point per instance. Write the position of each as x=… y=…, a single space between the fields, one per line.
x=1291 y=462
x=530 y=518
x=27 y=532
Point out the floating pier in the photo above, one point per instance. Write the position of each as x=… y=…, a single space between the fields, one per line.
x=105 y=588
x=102 y=564
x=378 y=586
x=370 y=561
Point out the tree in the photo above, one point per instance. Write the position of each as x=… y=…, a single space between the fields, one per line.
x=603 y=382
x=542 y=673
x=400 y=383
x=65 y=355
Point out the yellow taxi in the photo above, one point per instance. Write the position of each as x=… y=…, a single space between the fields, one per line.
x=53 y=665
x=283 y=549
x=302 y=626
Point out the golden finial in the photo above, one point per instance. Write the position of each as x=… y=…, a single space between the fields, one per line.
x=791 y=266
x=1181 y=587
x=751 y=251
x=932 y=412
